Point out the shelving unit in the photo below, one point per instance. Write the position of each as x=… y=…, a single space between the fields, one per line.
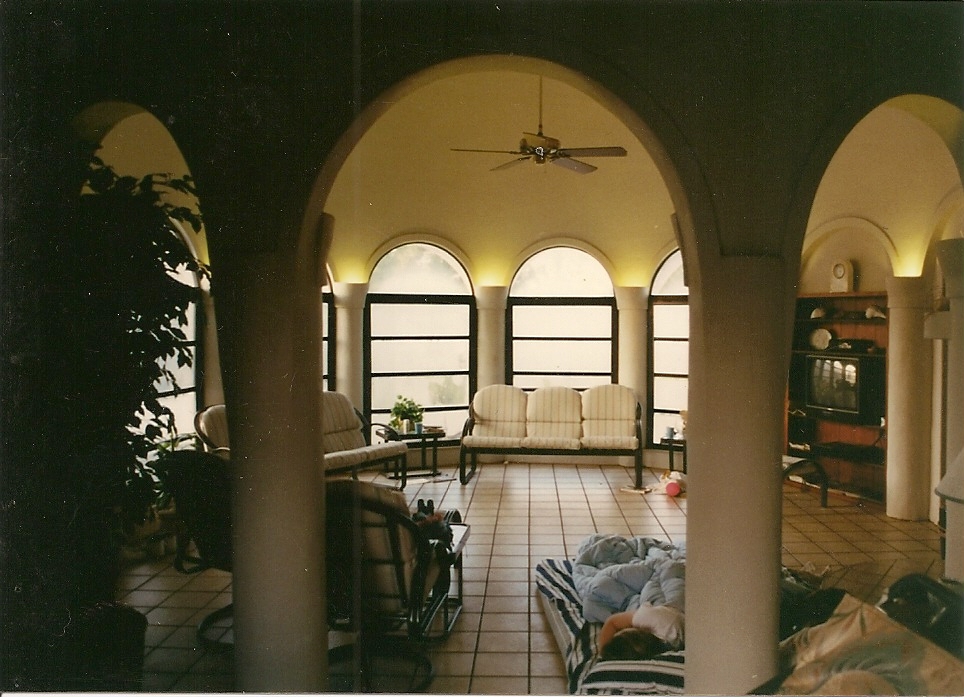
x=850 y=447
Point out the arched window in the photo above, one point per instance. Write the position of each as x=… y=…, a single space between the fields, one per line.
x=562 y=323
x=420 y=329
x=669 y=323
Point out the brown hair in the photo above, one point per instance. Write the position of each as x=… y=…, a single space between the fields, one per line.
x=631 y=644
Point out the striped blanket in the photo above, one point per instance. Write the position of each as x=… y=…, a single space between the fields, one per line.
x=662 y=675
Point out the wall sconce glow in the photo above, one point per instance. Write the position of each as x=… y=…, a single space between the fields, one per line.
x=352 y=271
x=909 y=263
x=486 y=274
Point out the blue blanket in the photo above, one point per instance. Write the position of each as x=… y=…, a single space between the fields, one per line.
x=614 y=573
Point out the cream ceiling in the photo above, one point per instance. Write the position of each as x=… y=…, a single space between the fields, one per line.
x=401 y=179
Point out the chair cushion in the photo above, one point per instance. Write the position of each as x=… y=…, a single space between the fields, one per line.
x=344 y=459
x=500 y=412
x=553 y=418
x=340 y=427
x=609 y=417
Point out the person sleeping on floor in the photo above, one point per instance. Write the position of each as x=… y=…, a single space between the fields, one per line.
x=635 y=587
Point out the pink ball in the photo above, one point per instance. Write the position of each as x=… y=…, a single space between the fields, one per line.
x=673 y=488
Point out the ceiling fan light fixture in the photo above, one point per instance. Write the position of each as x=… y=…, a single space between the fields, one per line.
x=543 y=148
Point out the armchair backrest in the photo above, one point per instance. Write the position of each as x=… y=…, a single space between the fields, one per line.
x=211 y=426
x=371 y=536
x=340 y=425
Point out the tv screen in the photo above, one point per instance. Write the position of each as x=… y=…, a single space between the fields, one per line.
x=833 y=383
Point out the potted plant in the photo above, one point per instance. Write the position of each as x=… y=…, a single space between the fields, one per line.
x=116 y=317
x=406 y=412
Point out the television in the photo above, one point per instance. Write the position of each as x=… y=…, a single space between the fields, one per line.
x=846 y=388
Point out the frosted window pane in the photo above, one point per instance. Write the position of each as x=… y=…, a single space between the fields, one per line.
x=435 y=390
x=661 y=422
x=671 y=357
x=562 y=356
x=580 y=321
x=184 y=407
x=671 y=321
x=669 y=393
x=184 y=375
x=669 y=277
x=401 y=356
x=419 y=320
x=561 y=272
x=421 y=269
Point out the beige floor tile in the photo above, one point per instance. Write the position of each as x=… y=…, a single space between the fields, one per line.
x=453 y=663
x=514 y=642
x=502 y=664
x=491 y=685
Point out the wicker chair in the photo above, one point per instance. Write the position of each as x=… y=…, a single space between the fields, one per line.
x=387 y=580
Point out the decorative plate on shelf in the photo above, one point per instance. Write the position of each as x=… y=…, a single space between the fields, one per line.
x=820 y=338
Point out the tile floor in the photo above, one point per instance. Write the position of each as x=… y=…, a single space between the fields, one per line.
x=520 y=514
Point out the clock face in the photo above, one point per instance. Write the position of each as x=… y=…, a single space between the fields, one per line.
x=839 y=270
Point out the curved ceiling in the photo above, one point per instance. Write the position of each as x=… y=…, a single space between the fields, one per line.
x=401 y=176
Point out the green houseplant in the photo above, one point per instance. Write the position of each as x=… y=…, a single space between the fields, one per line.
x=405 y=409
x=99 y=342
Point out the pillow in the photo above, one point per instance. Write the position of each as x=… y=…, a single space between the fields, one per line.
x=858 y=640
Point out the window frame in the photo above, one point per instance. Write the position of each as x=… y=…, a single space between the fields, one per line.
x=329 y=340
x=652 y=338
x=467 y=300
x=558 y=301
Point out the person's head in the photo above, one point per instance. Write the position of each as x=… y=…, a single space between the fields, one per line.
x=632 y=644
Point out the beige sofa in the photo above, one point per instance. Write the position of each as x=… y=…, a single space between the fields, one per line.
x=346 y=449
x=503 y=419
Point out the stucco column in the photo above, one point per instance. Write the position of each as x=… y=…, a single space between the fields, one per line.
x=212 y=391
x=350 y=336
x=491 y=302
x=632 y=303
x=272 y=381
x=950 y=255
x=908 y=400
x=739 y=354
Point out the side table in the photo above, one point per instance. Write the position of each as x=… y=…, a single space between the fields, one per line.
x=674 y=445
x=422 y=441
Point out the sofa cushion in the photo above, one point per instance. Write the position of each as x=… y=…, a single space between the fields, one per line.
x=473 y=441
x=553 y=419
x=340 y=426
x=609 y=417
x=500 y=412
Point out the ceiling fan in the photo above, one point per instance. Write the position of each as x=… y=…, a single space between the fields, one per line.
x=541 y=149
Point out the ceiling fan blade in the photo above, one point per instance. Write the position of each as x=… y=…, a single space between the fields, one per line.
x=615 y=151
x=510 y=163
x=505 y=152
x=574 y=165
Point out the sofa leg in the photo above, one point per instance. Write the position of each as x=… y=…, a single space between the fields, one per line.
x=639 y=471
x=464 y=476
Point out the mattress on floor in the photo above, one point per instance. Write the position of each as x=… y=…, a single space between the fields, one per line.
x=576 y=638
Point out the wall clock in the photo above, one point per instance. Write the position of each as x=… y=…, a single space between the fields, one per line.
x=841 y=277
